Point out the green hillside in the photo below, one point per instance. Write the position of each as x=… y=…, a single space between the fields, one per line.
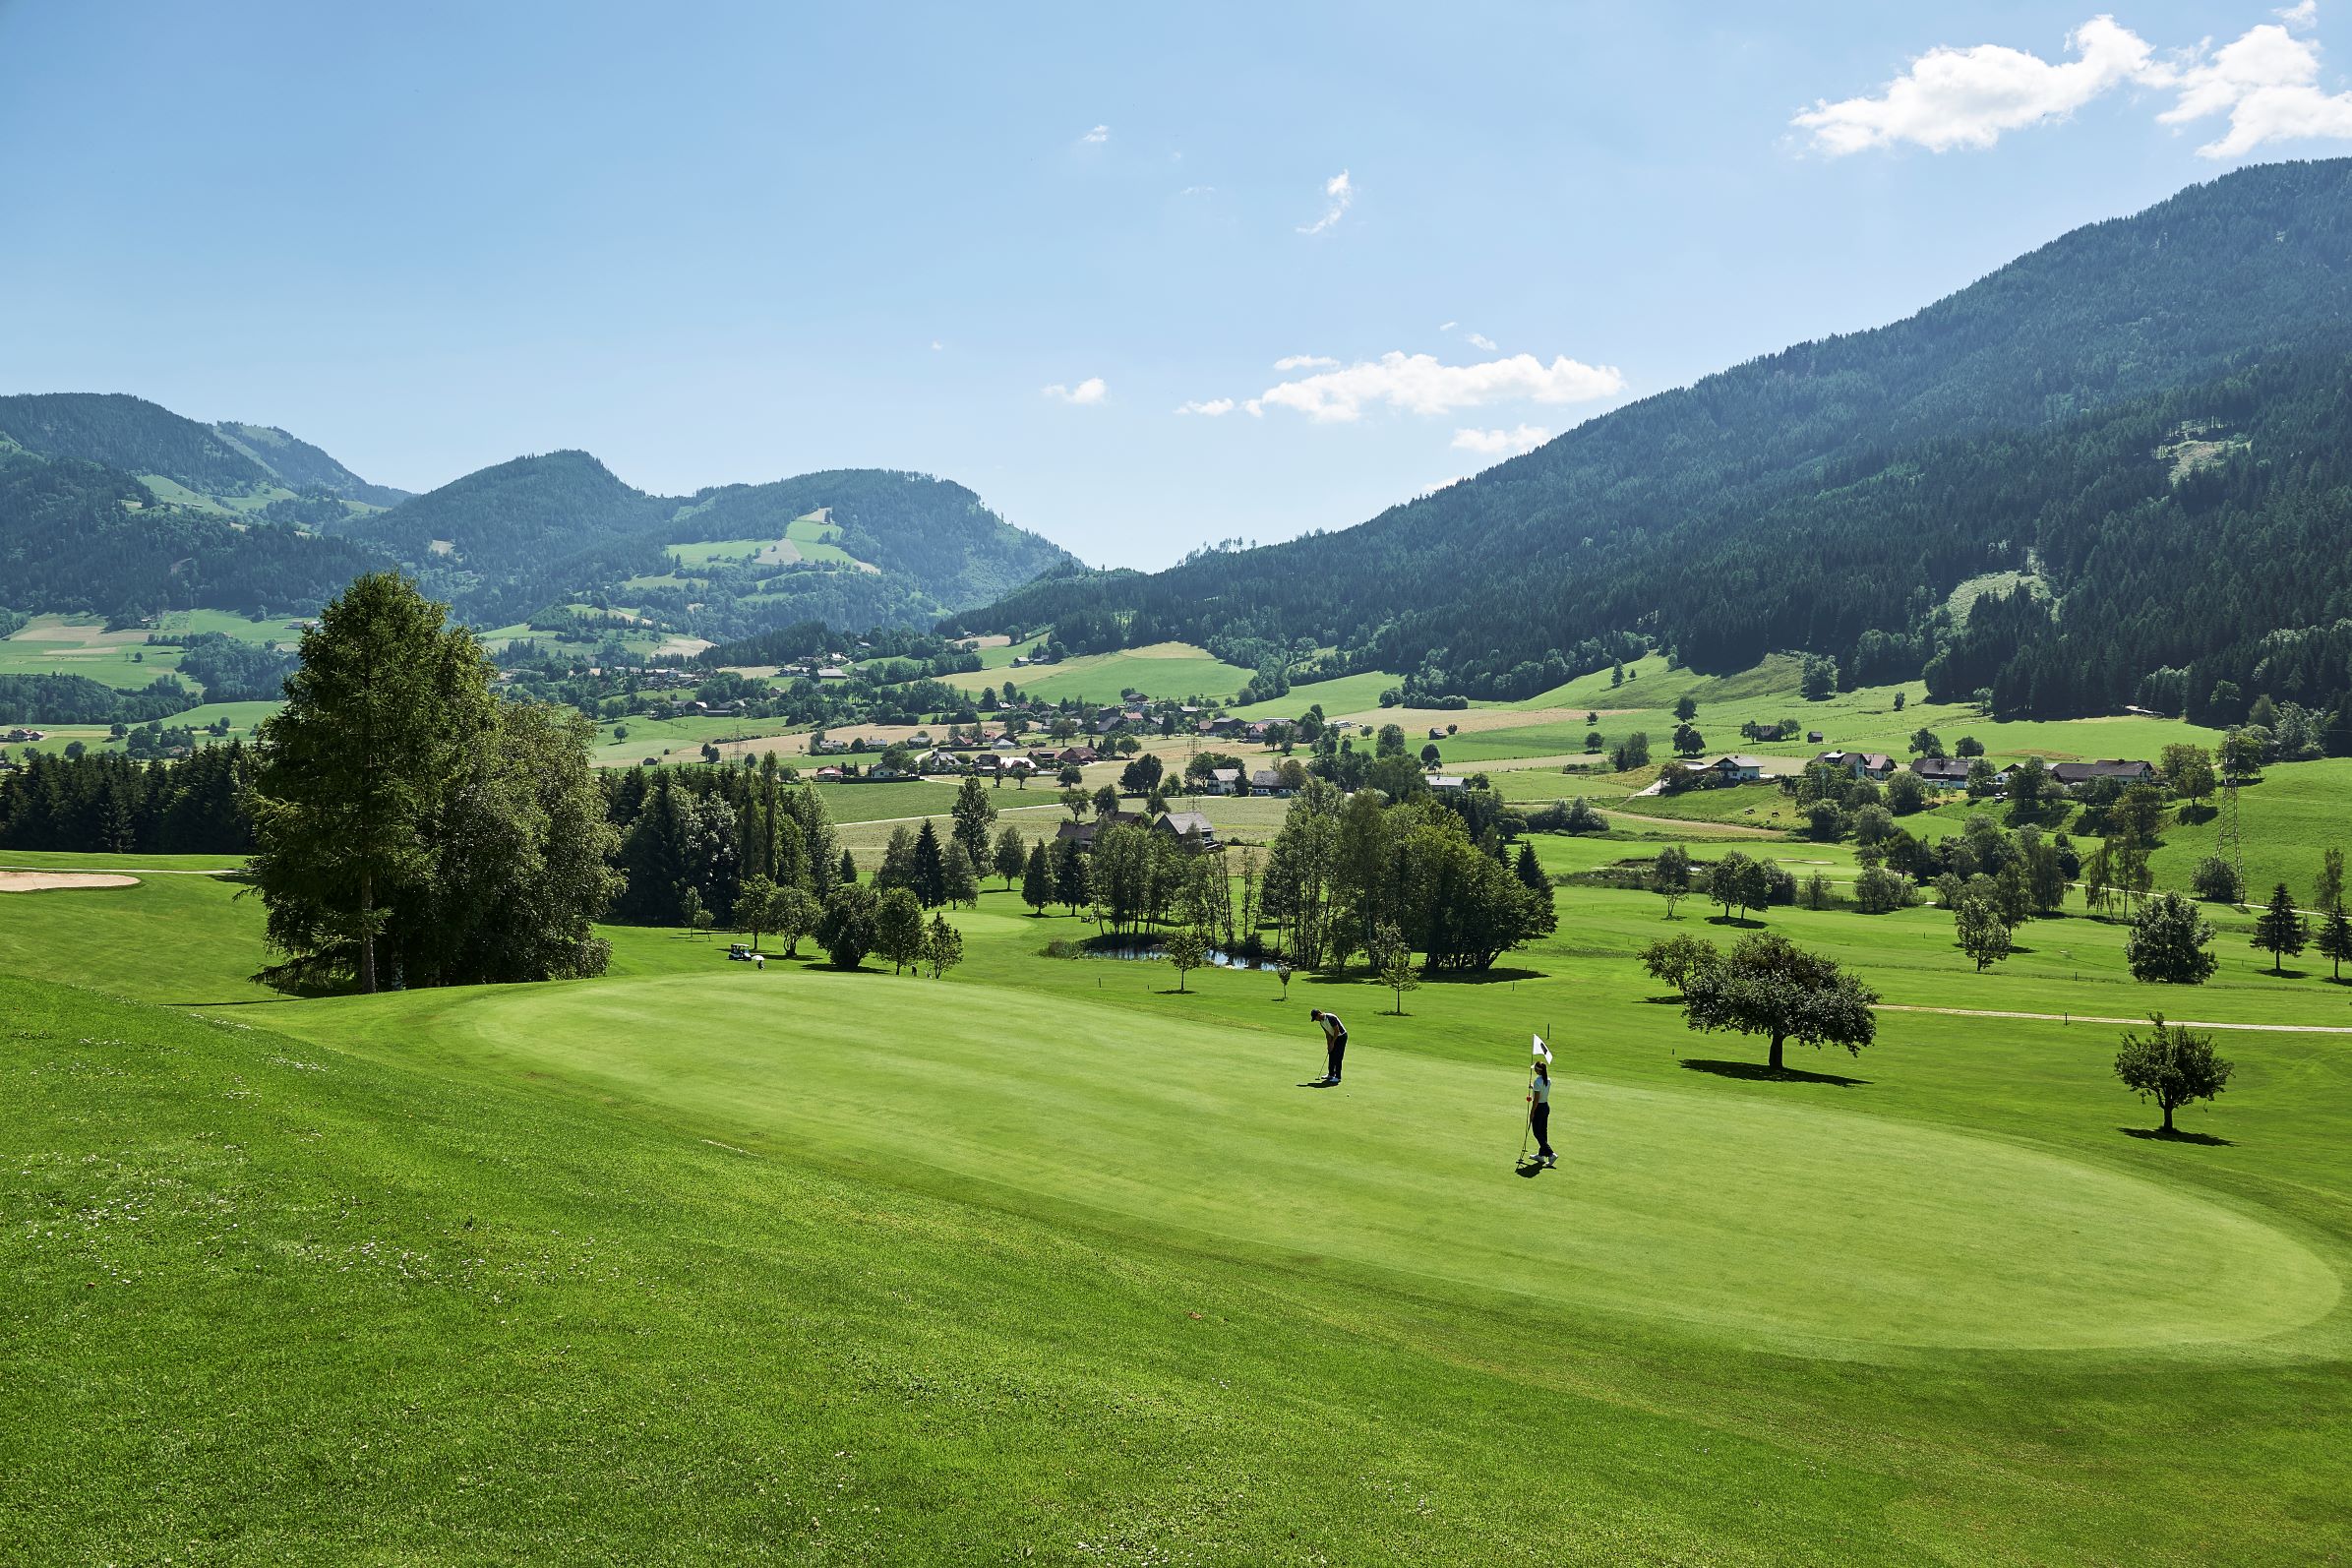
x=1831 y=496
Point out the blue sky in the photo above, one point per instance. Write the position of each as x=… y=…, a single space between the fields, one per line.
x=1008 y=244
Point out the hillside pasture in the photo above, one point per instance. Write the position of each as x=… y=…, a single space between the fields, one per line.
x=1167 y=670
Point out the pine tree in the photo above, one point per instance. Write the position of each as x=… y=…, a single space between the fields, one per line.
x=2281 y=930
x=927 y=873
x=2335 y=939
x=1036 y=879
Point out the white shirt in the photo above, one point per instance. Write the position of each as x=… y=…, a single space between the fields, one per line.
x=1542 y=1091
x=1332 y=1027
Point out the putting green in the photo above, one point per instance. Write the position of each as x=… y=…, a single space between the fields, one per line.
x=1779 y=1224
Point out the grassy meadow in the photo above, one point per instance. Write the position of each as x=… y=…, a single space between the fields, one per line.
x=1051 y=1261
x=1163 y=669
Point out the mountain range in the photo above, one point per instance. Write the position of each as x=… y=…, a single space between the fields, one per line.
x=2136 y=435
x=116 y=506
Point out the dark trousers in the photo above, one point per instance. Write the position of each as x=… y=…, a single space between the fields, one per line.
x=1334 y=1049
x=1539 y=1118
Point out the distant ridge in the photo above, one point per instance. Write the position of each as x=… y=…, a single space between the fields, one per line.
x=1827 y=498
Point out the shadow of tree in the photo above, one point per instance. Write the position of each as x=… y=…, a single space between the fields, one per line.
x=2176 y=1135
x=1758 y=1072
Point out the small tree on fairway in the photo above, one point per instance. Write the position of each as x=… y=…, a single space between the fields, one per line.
x=2172 y=1065
x=1983 y=933
x=1187 y=951
x=959 y=883
x=1012 y=855
x=1036 y=879
x=690 y=907
x=898 y=928
x=1676 y=959
x=2281 y=930
x=1728 y=884
x=1670 y=876
x=1281 y=973
x=845 y=930
x=755 y=902
x=2168 y=942
x=791 y=916
x=942 y=946
x=1385 y=950
x=2335 y=939
x=1768 y=986
x=1817 y=891
x=2328 y=891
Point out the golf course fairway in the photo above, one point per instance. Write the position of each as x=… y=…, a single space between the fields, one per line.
x=1774 y=1226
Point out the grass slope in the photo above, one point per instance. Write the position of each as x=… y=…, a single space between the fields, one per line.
x=1162 y=670
x=696 y=1262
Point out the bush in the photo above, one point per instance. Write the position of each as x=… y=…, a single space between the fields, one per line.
x=2216 y=881
x=1880 y=891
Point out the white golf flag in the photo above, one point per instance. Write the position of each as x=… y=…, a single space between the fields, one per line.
x=1542 y=1051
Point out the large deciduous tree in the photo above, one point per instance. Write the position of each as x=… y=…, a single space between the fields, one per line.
x=1768 y=986
x=405 y=819
x=2168 y=942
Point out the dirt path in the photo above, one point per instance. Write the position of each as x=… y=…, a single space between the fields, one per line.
x=2096 y=1018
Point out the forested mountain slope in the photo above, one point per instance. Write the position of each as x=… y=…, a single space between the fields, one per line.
x=115 y=506
x=877 y=546
x=1724 y=519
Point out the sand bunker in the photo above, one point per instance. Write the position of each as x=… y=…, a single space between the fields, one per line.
x=48 y=882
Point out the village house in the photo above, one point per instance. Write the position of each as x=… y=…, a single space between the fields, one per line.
x=1732 y=769
x=1224 y=781
x=1943 y=772
x=1877 y=766
x=2073 y=775
x=1190 y=828
x=1083 y=833
x=1445 y=782
x=1266 y=781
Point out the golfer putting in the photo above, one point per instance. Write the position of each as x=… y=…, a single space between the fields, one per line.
x=1335 y=1047
x=1539 y=1108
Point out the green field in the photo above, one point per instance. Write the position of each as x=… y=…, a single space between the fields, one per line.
x=56 y=644
x=1168 y=670
x=693 y=1260
x=1050 y=1262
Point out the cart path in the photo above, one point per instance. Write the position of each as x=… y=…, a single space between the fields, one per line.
x=128 y=870
x=2097 y=1018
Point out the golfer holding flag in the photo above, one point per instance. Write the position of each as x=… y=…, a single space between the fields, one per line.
x=1539 y=1105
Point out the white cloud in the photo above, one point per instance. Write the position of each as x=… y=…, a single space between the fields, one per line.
x=1967 y=98
x=1198 y=190
x=1339 y=194
x=1447 y=326
x=1502 y=443
x=1212 y=407
x=1089 y=391
x=1418 y=384
x=1291 y=362
x=1098 y=136
x=2267 y=81
x=937 y=345
x=1480 y=340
